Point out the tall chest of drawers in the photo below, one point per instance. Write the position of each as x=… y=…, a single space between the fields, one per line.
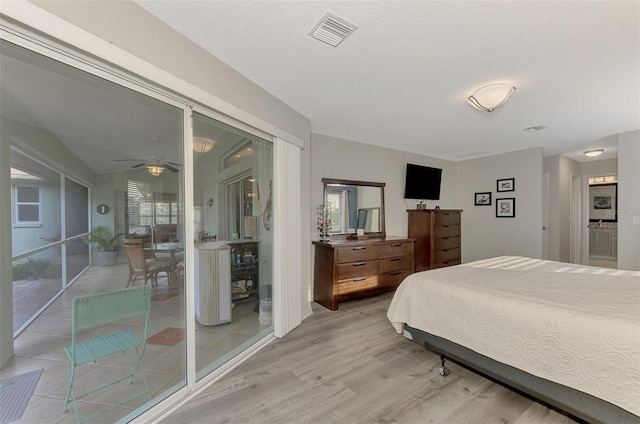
x=437 y=234
x=352 y=269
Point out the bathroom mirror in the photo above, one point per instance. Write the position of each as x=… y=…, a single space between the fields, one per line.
x=355 y=205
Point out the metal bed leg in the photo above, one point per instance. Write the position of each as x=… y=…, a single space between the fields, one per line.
x=444 y=371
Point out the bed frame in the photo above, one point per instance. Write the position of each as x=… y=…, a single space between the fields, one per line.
x=575 y=402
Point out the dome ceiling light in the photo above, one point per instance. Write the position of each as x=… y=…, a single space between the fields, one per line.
x=202 y=145
x=593 y=153
x=490 y=97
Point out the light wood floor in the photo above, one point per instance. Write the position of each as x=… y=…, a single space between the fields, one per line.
x=350 y=366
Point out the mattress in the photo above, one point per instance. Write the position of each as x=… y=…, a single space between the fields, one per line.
x=575 y=325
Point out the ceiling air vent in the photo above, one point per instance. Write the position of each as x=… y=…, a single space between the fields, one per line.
x=534 y=129
x=332 y=30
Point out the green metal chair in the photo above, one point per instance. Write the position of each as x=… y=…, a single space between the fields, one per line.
x=99 y=309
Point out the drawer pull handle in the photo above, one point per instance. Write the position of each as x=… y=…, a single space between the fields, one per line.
x=445 y=226
x=446 y=238
x=395 y=245
x=359 y=264
x=359 y=248
x=396 y=273
x=355 y=280
x=445 y=250
x=394 y=259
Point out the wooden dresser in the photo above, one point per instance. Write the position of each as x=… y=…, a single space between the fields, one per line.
x=437 y=234
x=351 y=269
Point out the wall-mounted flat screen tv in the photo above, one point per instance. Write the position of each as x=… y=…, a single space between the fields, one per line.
x=422 y=182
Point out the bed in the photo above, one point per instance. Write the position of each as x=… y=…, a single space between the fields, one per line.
x=566 y=334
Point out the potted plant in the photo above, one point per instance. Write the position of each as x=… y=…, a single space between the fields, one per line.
x=173 y=242
x=106 y=244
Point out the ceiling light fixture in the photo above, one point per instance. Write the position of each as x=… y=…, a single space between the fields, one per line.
x=593 y=153
x=490 y=97
x=202 y=145
x=155 y=170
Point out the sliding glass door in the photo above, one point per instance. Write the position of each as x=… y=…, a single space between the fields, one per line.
x=233 y=247
x=89 y=150
x=84 y=149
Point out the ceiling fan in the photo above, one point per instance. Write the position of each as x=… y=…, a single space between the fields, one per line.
x=154 y=163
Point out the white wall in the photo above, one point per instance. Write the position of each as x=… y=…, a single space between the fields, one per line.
x=629 y=200
x=484 y=235
x=599 y=167
x=561 y=171
x=551 y=166
x=339 y=158
x=569 y=169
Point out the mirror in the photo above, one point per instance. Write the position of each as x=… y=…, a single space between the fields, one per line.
x=603 y=203
x=355 y=205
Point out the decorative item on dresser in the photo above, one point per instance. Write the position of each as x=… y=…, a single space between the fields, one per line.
x=437 y=234
x=352 y=269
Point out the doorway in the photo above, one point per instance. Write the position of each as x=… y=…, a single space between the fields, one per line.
x=601 y=207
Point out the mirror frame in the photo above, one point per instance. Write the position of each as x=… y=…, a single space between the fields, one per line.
x=326 y=181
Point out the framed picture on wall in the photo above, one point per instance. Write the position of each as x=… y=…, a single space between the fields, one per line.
x=506 y=184
x=603 y=202
x=482 y=199
x=506 y=208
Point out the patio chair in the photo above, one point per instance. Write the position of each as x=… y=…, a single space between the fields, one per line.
x=144 y=265
x=179 y=270
x=97 y=310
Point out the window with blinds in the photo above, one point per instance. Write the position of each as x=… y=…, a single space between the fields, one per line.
x=146 y=208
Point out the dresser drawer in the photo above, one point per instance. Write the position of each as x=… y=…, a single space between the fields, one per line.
x=447 y=218
x=446 y=231
x=357 y=269
x=444 y=264
x=446 y=242
x=395 y=249
x=446 y=255
x=357 y=253
x=395 y=264
x=393 y=278
x=355 y=285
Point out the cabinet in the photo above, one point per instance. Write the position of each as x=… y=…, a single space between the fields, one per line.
x=437 y=234
x=244 y=269
x=352 y=269
x=603 y=242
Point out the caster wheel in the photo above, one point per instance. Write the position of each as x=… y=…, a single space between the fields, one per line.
x=444 y=371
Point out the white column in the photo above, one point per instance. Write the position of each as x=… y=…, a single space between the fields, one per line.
x=6 y=279
x=287 y=240
x=629 y=200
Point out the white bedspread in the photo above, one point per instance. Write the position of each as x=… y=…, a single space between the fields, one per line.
x=576 y=325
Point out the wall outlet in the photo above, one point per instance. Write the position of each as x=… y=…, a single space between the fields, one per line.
x=636 y=220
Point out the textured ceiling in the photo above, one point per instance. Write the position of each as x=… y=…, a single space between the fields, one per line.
x=401 y=80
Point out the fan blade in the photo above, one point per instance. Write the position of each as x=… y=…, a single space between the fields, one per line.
x=129 y=160
x=170 y=168
x=138 y=165
x=172 y=163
